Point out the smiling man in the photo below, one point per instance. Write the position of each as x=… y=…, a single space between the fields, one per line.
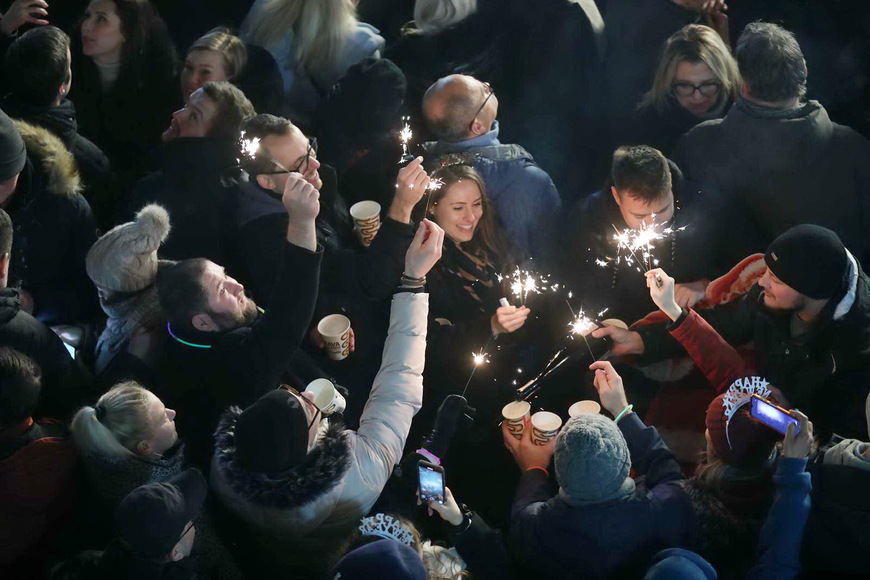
x=199 y=146
x=808 y=319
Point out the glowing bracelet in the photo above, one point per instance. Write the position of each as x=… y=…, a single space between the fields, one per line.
x=623 y=413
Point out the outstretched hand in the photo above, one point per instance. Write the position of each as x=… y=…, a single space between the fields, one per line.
x=609 y=385
x=661 y=290
x=509 y=319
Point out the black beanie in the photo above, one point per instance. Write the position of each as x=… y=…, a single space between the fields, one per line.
x=272 y=434
x=810 y=259
x=12 y=151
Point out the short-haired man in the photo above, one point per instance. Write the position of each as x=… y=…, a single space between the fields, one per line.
x=647 y=191
x=808 y=318
x=461 y=112
x=199 y=146
x=54 y=226
x=37 y=68
x=37 y=467
x=774 y=148
x=223 y=351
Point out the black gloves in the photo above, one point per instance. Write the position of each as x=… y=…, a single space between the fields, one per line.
x=452 y=411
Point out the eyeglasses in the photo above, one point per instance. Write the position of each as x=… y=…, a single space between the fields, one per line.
x=489 y=92
x=688 y=89
x=307 y=400
x=303 y=165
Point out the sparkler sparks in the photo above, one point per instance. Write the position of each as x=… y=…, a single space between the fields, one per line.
x=251 y=149
x=524 y=282
x=635 y=247
x=405 y=138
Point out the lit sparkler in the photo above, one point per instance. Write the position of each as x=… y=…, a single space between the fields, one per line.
x=478 y=358
x=523 y=283
x=251 y=148
x=405 y=138
x=635 y=247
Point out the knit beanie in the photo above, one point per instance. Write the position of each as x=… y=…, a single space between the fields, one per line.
x=272 y=434
x=125 y=258
x=680 y=564
x=592 y=461
x=13 y=154
x=738 y=438
x=810 y=259
x=384 y=559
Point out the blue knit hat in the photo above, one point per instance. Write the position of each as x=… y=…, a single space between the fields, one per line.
x=592 y=461
x=384 y=559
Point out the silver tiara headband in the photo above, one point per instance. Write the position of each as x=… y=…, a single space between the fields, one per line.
x=739 y=393
x=388 y=527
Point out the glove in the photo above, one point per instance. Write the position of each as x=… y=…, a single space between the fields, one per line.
x=453 y=411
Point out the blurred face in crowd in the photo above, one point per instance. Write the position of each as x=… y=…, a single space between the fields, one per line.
x=637 y=211
x=102 y=39
x=293 y=152
x=7 y=188
x=194 y=120
x=200 y=67
x=695 y=87
x=780 y=296
x=229 y=308
x=459 y=211
x=162 y=434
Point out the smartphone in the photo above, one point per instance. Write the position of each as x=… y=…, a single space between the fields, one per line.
x=772 y=415
x=431 y=482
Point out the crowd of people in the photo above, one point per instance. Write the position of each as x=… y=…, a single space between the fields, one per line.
x=247 y=296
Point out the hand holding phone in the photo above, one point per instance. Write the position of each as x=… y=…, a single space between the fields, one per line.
x=431 y=479
x=773 y=416
x=798 y=440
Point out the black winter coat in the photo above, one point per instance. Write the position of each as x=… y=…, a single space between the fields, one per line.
x=27 y=335
x=780 y=172
x=825 y=372
x=238 y=366
x=193 y=189
x=687 y=255
x=100 y=187
x=53 y=231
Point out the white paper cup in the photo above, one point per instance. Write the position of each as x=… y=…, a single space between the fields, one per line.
x=584 y=408
x=326 y=396
x=545 y=426
x=514 y=413
x=335 y=330
x=615 y=322
x=367 y=220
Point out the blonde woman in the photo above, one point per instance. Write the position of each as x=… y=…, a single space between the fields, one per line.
x=697 y=79
x=218 y=55
x=125 y=440
x=314 y=43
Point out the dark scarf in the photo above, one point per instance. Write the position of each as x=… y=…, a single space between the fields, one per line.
x=126 y=317
x=474 y=272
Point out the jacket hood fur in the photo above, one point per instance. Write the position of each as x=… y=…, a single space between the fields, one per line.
x=321 y=471
x=57 y=164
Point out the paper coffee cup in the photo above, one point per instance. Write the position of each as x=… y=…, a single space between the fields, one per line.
x=367 y=220
x=615 y=322
x=326 y=396
x=335 y=330
x=545 y=426
x=584 y=408
x=514 y=413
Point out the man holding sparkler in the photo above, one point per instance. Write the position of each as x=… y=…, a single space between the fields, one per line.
x=808 y=318
x=461 y=112
x=648 y=218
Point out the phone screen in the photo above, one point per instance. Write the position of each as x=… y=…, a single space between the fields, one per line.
x=70 y=349
x=431 y=484
x=772 y=416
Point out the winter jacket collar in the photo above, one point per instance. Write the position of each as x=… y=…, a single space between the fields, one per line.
x=486 y=145
x=321 y=471
x=190 y=158
x=60 y=120
x=54 y=168
x=10 y=305
x=255 y=202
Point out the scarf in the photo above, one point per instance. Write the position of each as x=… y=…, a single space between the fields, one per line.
x=474 y=271
x=141 y=310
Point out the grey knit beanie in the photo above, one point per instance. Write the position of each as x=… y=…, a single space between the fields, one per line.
x=125 y=258
x=592 y=461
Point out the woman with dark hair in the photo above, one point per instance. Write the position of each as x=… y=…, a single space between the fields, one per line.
x=125 y=79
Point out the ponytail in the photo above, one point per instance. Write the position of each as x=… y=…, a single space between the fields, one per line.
x=115 y=424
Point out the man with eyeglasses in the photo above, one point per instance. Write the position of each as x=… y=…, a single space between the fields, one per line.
x=461 y=112
x=199 y=147
x=777 y=157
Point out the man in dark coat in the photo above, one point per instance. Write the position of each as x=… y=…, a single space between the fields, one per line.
x=778 y=158
x=200 y=146
x=27 y=335
x=808 y=319
x=646 y=190
x=54 y=227
x=38 y=70
x=223 y=350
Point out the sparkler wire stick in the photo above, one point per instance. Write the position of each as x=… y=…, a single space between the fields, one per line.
x=479 y=359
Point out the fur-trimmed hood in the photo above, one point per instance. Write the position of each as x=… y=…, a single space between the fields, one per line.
x=57 y=165
x=322 y=470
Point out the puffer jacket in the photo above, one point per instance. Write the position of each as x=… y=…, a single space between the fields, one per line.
x=53 y=231
x=304 y=514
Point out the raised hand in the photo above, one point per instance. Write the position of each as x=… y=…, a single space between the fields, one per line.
x=411 y=185
x=425 y=249
x=608 y=383
x=23 y=12
x=663 y=295
x=302 y=202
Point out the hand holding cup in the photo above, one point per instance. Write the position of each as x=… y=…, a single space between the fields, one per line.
x=525 y=452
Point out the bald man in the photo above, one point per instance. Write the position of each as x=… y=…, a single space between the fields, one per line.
x=461 y=112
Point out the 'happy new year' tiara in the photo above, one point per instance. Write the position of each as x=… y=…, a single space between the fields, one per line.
x=739 y=393
x=388 y=527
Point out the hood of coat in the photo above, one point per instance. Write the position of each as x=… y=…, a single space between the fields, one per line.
x=10 y=304
x=322 y=470
x=58 y=169
x=60 y=120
